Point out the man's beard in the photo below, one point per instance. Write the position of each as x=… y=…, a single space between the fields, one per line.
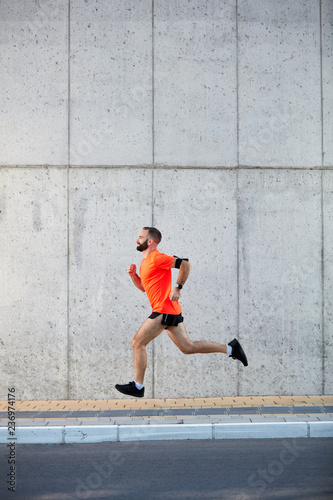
x=142 y=246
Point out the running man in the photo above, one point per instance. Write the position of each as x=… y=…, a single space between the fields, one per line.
x=155 y=280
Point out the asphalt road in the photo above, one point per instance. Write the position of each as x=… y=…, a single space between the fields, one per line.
x=287 y=469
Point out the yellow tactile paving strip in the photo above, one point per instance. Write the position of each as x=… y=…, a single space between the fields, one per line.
x=142 y=404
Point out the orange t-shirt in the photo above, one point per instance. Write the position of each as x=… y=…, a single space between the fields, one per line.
x=155 y=273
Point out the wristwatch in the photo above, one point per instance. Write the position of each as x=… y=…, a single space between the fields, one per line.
x=179 y=286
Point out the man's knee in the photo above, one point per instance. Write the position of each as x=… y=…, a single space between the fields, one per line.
x=187 y=349
x=135 y=343
x=138 y=342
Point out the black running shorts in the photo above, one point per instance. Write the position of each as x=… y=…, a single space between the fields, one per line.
x=168 y=319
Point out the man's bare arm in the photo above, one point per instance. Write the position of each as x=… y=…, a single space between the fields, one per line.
x=131 y=270
x=184 y=272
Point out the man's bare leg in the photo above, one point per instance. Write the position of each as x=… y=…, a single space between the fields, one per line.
x=150 y=329
x=179 y=336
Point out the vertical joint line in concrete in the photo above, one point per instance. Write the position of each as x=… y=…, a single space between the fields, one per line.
x=68 y=83
x=153 y=153
x=153 y=80
x=322 y=200
x=238 y=271
x=68 y=166
x=152 y=198
x=68 y=292
x=153 y=225
x=237 y=190
x=321 y=85
x=323 y=284
x=237 y=84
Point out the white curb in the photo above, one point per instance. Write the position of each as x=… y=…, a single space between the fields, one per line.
x=256 y=430
x=113 y=433
x=164 y=432
x=90 y=434
x=33 y=435
x=321 y=429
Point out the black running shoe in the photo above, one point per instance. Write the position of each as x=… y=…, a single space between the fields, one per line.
x=237 y=352
x=130 y=389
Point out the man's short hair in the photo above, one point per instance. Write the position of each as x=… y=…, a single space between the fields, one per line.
x=153 y=233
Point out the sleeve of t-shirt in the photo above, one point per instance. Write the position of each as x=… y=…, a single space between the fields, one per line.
x=163 y=261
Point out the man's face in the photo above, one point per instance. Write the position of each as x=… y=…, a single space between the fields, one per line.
x=142 y=241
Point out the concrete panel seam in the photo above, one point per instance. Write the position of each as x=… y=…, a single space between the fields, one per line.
x=237 y=85
x=153 y=225
x=237 y=270
x=322 y=285
x=68 y=164
x=68 y=295
x=153 y=79
x=158 y=166
x=321 y=84
x=69 y=83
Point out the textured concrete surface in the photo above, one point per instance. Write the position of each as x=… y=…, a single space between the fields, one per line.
x=33 y=256
x=327 y=65
x=199 y=220
x=34 y=83
x=328 y=278
x=111 y=83
x=279 y=59
x=280 y=279
x=189 y=84
x=195 y=83
x=106 y=207
x=255 y=243
x=212 y=121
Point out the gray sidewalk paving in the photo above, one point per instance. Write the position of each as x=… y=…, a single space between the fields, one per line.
x=56 y=422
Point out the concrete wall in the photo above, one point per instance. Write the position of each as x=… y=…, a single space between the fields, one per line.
x=212 y=121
